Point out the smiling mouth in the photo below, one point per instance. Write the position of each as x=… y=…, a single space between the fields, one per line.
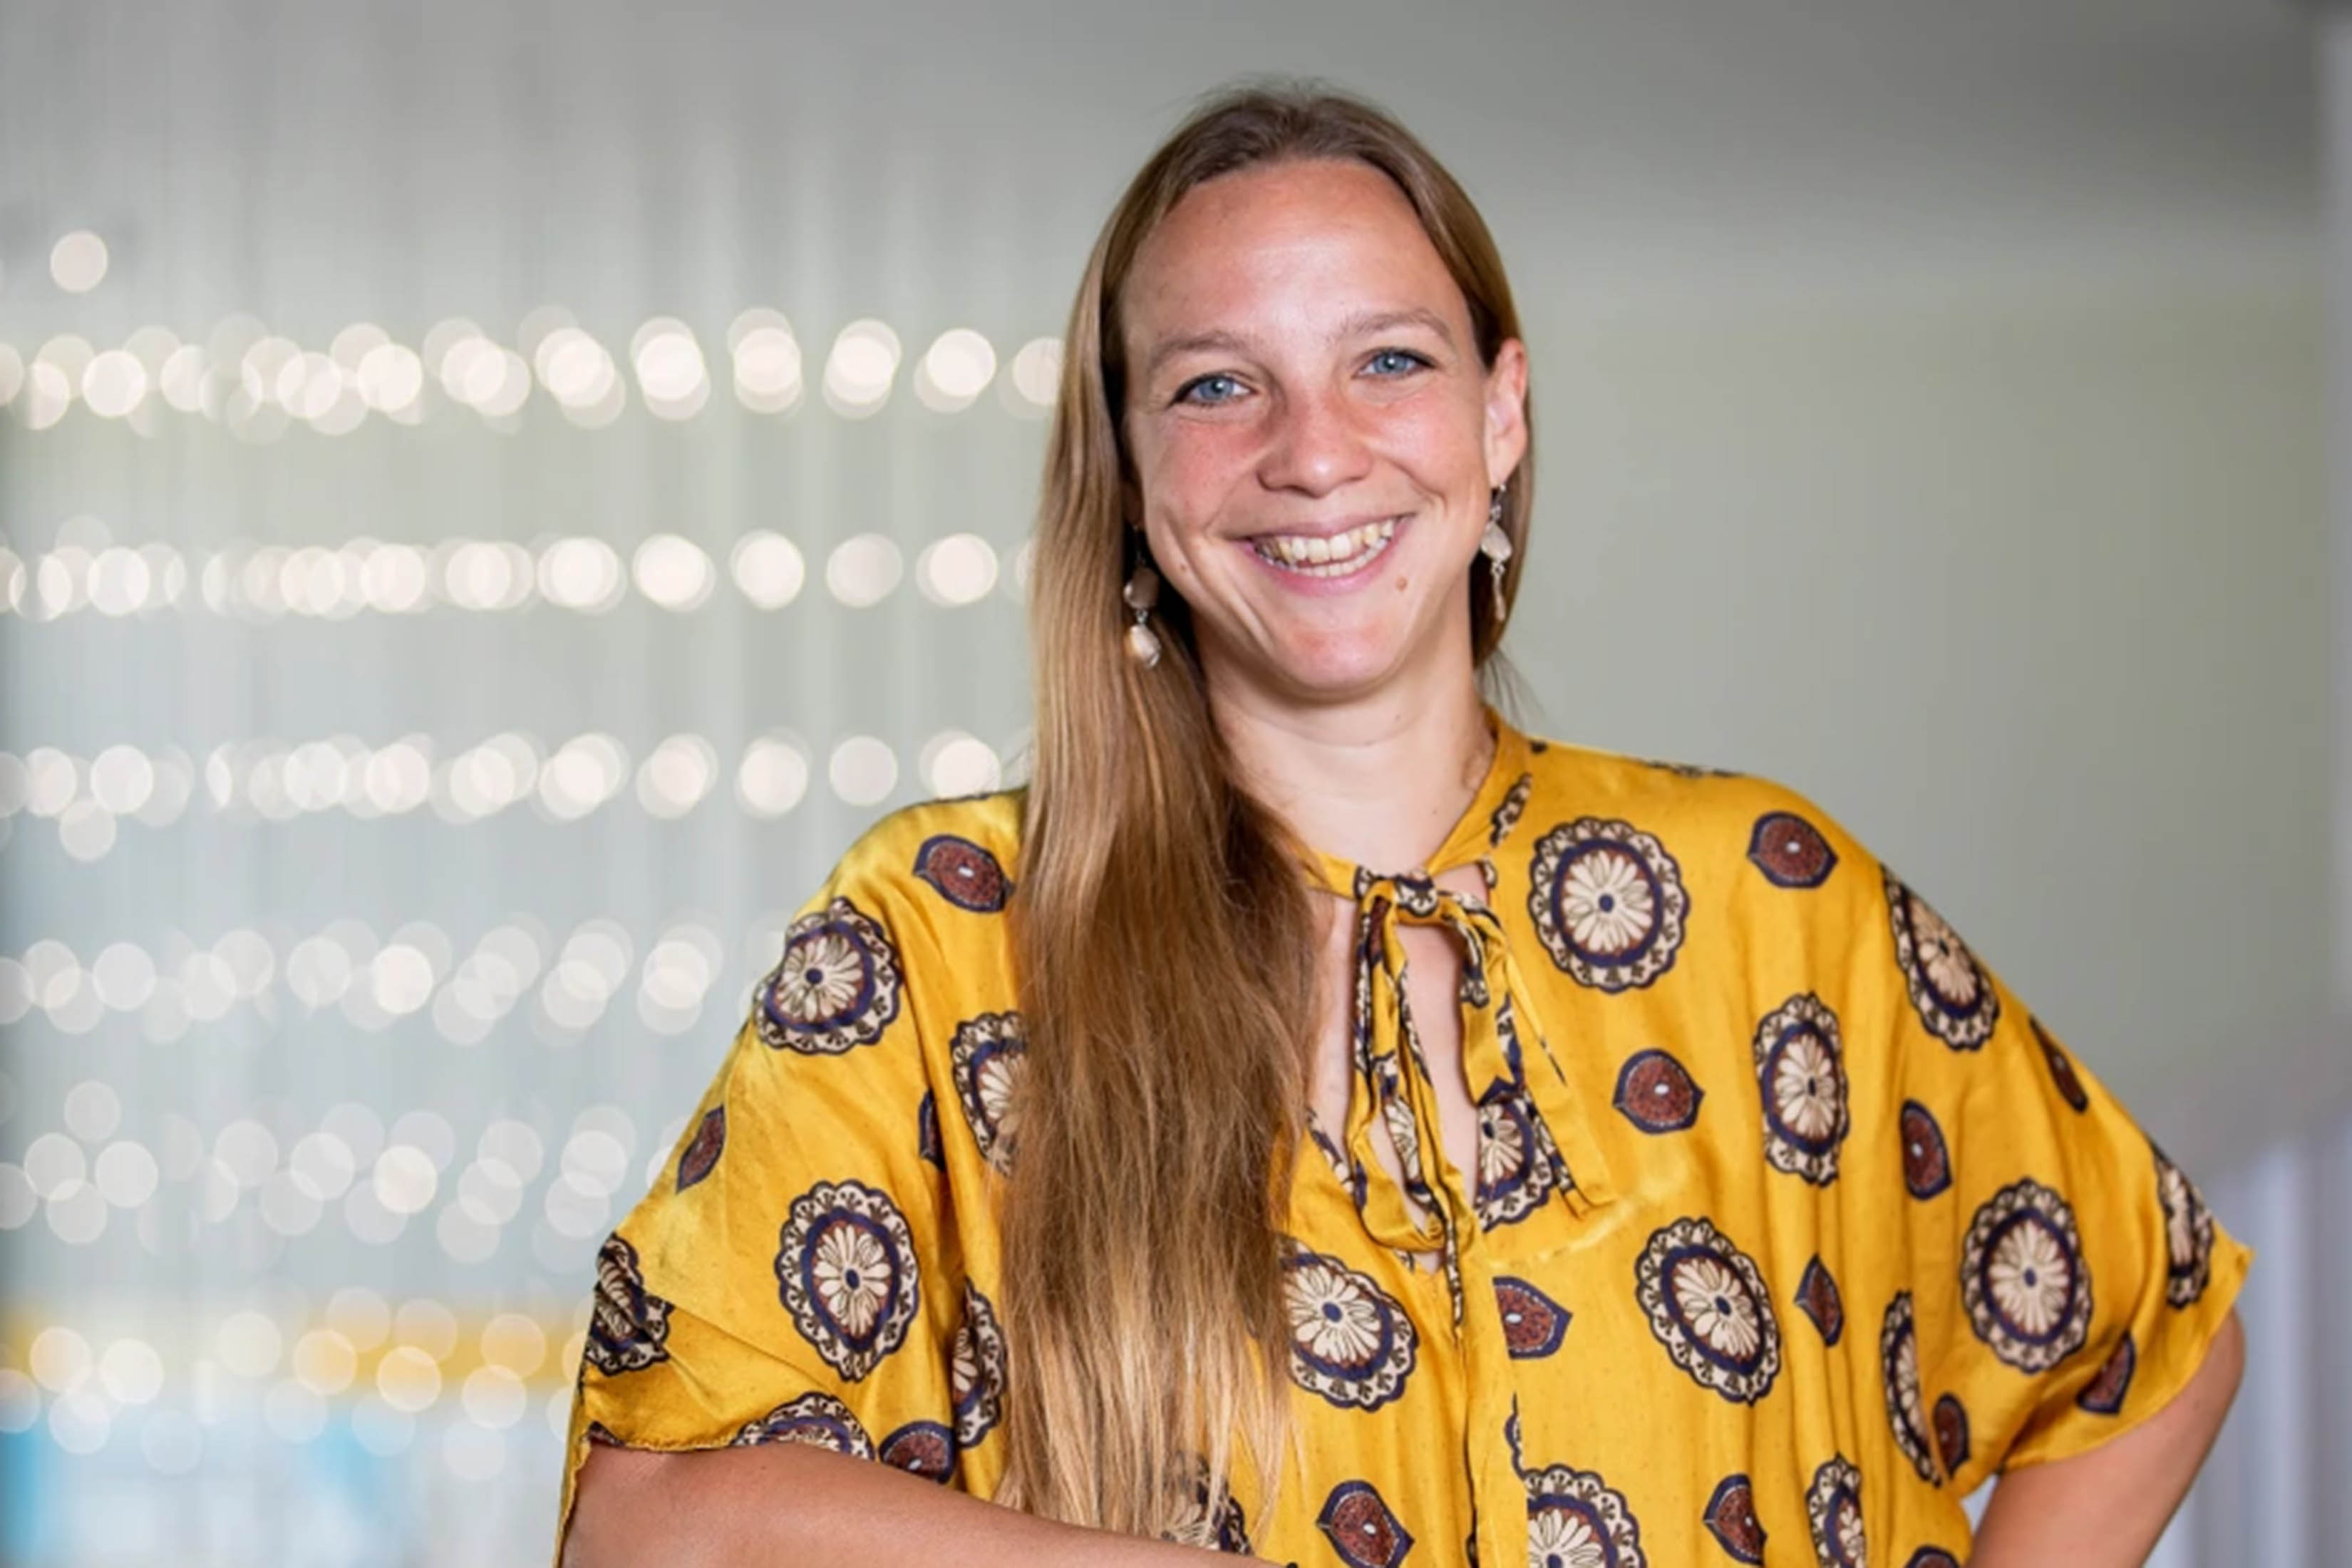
x=1332 y=555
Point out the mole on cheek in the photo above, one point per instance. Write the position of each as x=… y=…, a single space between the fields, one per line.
x=1401 y=582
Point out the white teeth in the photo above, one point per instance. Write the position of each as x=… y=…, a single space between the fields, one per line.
x=1319 y=555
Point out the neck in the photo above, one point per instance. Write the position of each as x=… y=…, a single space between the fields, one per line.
x=1378 y=781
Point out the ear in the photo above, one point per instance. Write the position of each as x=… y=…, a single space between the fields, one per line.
x=1506 y=412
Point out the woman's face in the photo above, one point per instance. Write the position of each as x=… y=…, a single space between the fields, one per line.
x=1313 y=434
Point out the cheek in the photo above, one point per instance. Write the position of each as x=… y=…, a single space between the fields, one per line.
x=1187 y=475
x=1438 y=440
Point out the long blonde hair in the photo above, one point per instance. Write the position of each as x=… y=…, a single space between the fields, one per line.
x=1164 y=938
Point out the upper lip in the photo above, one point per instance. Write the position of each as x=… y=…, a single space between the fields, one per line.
x=1327 y=528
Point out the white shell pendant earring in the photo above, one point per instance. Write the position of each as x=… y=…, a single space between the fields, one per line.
x=1141 y=593
x=1496 y=546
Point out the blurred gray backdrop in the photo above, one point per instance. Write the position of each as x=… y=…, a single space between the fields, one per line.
x=494 y=497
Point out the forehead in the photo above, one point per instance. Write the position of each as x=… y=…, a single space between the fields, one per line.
x=1299 y=239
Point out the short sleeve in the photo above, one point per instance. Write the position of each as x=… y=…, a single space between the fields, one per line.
x=794 y=1274
x=2061 y=1280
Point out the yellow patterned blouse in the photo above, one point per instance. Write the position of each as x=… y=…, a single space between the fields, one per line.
x=1789 y=1223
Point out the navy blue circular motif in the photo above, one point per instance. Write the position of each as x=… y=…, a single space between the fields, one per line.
x=924 y=1449
x=1952 y=1433
x=2187 y=1233
x=1818 y=1298
x=628 y=1324
x=1608 y=902
x=846 y=1271
x=1932 y=1557
x=1207 y=1519
x=976 y=1370
x=1533 y=1324
x=701 y=1155
x=2061 y=1067
x=962 y=873
x=1791 y=851
x=2023 y=1279
x=1707 y=1305
x=1519 y=1165
x=1731 y=1519
x=1833 y=1510
x=1926 y=1160
x=1351 y=1341
x=1360 y=1528
x=1949 y=990
x=989 y=1058
x=2104 y=1395
x=1655 y=1093
x=1576 y=1518
x=1800 y=1072
x=819 y=1420
x=1899 y=1368
x=836 y=986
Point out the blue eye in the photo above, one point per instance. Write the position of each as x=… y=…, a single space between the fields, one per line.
x=1396 y=361
x=1218 y=388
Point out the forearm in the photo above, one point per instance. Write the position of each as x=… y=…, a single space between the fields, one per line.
x=788 y=1502
x=2106 y=1507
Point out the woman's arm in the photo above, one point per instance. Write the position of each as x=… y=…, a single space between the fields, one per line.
x=788 y=1502
x=2108 y=1505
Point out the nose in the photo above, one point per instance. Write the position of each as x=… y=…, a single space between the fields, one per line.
x=1315 y=446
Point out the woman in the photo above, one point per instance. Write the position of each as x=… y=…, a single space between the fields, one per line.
x=1316 y=1120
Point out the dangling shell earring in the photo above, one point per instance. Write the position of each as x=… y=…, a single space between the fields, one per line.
x=1496 y=546
x=1141 y=593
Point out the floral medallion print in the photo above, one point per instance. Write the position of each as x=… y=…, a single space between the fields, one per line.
x=1608 y=901
x=700 y=1157
x=1519 y=1165
x=2061 y=1067
x=2188 y=1234
x=1834 y=1508
x=1791 y=851
x=1952 y=1433
x=1221 y=1528
x=1360 y=1528
x=962 y=873
x=1818 y=1298
x=1507 y=815
x=1730 y=1518
x=989 y=1057
x=1576 y=1521
x=836 y=988
x=1951 y=994
x=2023 y=1279
x=819 y=1420
x=1350 y=1343
x=2104 y=1395
x=1655 y=1093
x=846 y=1271
x=1800 y=1070
x=1926 y=1159
x=976 y=1370
x=924 y=1449
x=1899 y=1366
x=1707 y=1305
x=1533 y=1324
x=628 y=1324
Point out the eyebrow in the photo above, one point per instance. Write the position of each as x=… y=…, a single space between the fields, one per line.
x=1363 y=324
